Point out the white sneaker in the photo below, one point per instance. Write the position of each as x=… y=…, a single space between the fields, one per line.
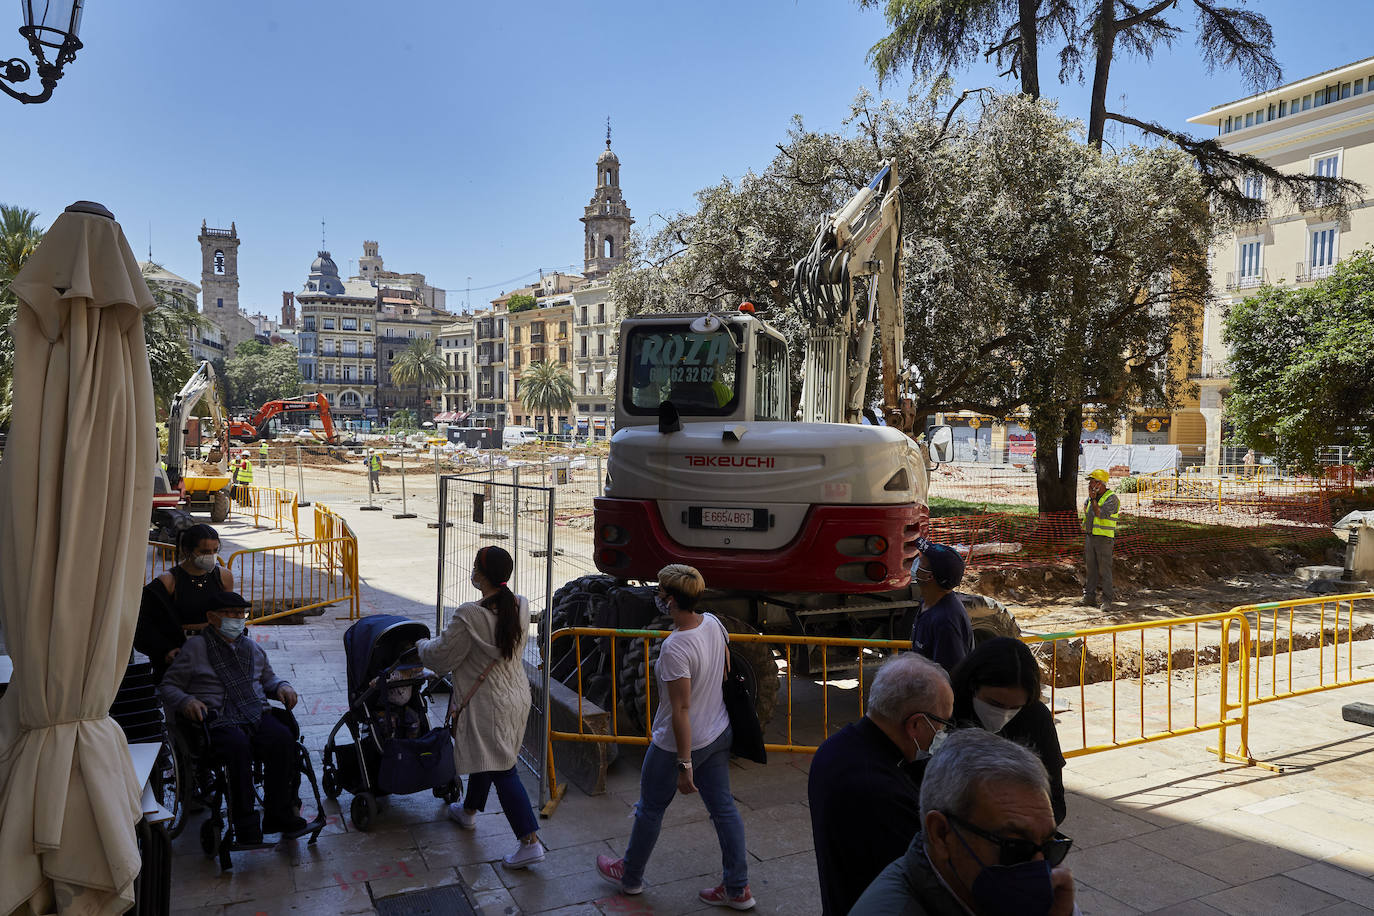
x=525 y=855
x=464 y=818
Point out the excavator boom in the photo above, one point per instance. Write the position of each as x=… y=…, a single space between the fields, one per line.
x=862 y=240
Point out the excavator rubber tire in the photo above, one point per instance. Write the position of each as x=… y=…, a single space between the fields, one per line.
x=989 y=617
x=219 y=505
x=754 y=660
x=577 y=604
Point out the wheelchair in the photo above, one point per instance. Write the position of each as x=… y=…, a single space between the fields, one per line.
x=204 y=776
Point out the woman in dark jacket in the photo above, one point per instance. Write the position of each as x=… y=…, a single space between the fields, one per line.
x=997 y=688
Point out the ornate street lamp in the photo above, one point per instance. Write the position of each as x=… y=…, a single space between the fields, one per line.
x=51 y=24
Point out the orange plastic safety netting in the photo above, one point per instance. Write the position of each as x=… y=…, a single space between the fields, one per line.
x=992 y=510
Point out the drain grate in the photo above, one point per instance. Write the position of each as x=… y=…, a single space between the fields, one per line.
x=434 y=901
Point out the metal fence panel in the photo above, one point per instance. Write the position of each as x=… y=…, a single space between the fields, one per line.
x=478 y=511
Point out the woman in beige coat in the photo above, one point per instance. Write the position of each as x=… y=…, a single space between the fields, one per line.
x=481 y=647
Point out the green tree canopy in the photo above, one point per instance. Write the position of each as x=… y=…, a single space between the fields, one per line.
x=546 y=388
x=1302 y=366
x=258 y=373
x=520 y=302
x=1040 y=273
x=421 y=365
x=167 y=329
x=1086 y=36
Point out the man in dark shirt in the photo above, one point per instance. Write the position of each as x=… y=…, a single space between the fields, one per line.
x=943 y=632
x=864 y=786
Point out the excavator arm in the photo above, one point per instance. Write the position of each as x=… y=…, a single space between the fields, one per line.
x=202 y=385
x=256 y=427
x=862 y=240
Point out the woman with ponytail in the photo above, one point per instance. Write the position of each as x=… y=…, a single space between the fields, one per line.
x=481 y=647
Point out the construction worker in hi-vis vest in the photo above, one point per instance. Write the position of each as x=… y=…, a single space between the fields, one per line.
x=374 y=472
x=262 y=450
x=243 y=477
x=1101 y=511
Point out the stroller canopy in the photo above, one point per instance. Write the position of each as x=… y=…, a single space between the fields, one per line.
x=374 y=643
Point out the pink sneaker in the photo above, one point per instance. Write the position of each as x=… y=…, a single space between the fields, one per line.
x=613 y=870
x=719 y=896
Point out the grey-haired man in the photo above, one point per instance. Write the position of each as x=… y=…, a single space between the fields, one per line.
x=988 y=844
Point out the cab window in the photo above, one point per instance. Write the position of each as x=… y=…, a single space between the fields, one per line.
x=696 y=371
x=770 y=378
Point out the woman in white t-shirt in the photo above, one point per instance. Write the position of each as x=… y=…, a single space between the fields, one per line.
x=690 y=747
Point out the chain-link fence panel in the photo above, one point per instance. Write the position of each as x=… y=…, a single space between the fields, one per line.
x=477 y=511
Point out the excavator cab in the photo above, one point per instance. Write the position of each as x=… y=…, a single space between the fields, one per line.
x=717 y=366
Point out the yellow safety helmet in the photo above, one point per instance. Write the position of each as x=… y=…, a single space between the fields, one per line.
x=1100 y=476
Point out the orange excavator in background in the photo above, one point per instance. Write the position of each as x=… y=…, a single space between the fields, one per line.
x=258 y=426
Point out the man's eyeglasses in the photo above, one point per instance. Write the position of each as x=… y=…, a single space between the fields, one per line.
x=947 y=723
x=1015 y=850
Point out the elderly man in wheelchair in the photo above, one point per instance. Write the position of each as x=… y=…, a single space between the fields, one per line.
x=221 y=680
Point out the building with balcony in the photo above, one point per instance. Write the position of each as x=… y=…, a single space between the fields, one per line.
x=403 y=318
x=596 y=327
x=337 y=339
x=536 y=335
x=489 y=344
x=1321 y=125
x=456 y=346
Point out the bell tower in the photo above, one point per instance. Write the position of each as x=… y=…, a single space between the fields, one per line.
x=219 y=270
x=607 y=220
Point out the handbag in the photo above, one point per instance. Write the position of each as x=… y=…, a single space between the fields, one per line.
x=412 y=764
x=746 y=733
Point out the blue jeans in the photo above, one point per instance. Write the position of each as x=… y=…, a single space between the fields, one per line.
x=658 y=787
x=515 y=801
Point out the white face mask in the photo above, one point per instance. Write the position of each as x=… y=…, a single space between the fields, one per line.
x=994 y=718
x=399 y=696
x=935 y=743
x=205 y=562
x=232 y=627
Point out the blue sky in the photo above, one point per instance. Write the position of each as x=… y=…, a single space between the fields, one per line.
x=463 y=136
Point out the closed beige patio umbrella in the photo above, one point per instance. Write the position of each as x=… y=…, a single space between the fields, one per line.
x=75 y=498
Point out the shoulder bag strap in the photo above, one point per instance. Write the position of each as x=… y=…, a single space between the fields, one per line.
x=726 y=634
x=453 y=714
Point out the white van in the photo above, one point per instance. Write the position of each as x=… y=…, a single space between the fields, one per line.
x=516 y=435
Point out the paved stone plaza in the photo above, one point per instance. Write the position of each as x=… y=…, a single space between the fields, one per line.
x=1160 y=828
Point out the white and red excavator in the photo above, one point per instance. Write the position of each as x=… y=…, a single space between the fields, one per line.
x=805 y=525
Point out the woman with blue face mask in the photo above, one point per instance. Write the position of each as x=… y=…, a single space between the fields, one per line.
x=997 y=689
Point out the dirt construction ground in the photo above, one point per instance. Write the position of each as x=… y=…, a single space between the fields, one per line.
x=1043 y=597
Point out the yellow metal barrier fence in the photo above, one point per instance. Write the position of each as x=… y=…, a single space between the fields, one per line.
x=786 y=647
x=1327 y=624
x=286 y=579
x=270 y=507
x=1098 y=662
x=1150 y=654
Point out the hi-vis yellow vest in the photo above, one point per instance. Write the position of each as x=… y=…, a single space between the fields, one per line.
x=245 y=471
x=375 y=463
x=1105 y=526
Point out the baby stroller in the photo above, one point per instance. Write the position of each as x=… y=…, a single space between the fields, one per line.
x=394 y=749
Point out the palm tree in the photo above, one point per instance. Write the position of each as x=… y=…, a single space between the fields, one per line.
x=420 y=365
x=546 y=387
x=19 y=238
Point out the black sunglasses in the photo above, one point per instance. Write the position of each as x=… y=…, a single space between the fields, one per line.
x=1014 y=850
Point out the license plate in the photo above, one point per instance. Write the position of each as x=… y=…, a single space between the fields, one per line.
x=743 y=519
